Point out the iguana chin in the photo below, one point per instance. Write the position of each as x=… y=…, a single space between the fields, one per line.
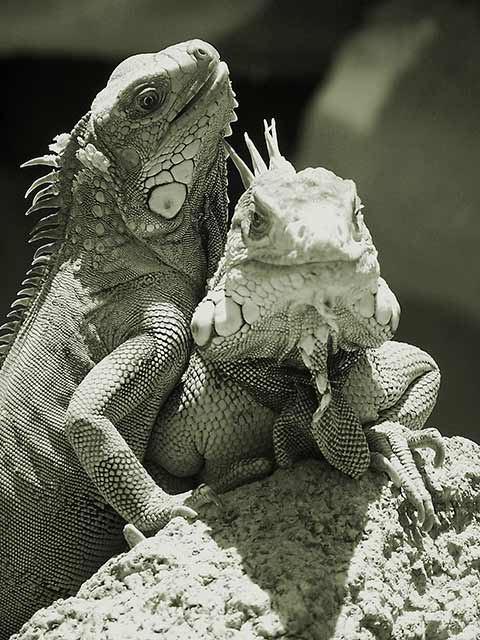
x=293 y=358
x=100 y=333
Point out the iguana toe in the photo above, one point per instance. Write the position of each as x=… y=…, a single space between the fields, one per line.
x=204 y=494
x=392 y=452
x=380 y=463
x=431 y=438
x=161 y=508
x=132 y=535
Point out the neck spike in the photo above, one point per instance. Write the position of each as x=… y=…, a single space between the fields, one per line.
x=245 y=174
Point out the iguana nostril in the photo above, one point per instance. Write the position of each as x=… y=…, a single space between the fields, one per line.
x=201 y=53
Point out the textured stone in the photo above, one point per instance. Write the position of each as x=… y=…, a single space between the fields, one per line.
x=306 y=554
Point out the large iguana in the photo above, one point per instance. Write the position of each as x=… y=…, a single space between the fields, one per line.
x=100 y=332
x=292 y=358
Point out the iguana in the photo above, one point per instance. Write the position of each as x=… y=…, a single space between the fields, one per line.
x=292 y=358
x=100 y=332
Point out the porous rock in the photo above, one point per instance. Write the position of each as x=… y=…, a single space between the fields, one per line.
x=307 y=554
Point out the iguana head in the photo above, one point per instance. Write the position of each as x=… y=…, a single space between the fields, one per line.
x=146 y=164
x=299 y=262
x=159 y=123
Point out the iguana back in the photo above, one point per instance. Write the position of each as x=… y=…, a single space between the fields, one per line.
x=100 y=333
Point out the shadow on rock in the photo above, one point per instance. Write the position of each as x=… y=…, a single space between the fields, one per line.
x=306 y=554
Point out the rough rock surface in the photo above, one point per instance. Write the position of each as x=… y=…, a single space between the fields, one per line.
x=306 y=554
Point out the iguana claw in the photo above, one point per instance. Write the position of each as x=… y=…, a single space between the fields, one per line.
x=204 y=494
x=431 y=438
x=161 y=508
x=391 y=447
x=132 y=535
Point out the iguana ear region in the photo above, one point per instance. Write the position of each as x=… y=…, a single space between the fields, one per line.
x=168 y=188
x=167 y=199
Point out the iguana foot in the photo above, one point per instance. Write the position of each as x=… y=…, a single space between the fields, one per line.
x=391 y=447
x=204 y=494
x=162 y=508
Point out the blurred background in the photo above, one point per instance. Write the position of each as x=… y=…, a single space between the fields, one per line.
x=386 y=93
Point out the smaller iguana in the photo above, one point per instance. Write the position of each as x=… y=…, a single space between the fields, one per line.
x=294 y=316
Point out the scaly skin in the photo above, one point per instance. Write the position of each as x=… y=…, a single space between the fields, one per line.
x=101 y=333
x=293 y=319
x=298 y=260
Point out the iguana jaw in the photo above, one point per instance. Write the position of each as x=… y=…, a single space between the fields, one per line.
x=235 y=318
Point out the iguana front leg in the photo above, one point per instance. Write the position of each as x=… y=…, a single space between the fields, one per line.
x=102 y=415
x=394 y=388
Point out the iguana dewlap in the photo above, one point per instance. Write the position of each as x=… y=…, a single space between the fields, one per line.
x=100 y=333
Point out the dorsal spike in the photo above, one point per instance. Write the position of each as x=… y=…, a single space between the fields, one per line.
x=48 y=203
x=41 y=260
x=273 y=131
x=35 y=281
x=49 y=178
x=270 y=140
x=50 y=160
x=50 y=190
x=27 y=291
x=245 y=174
x=44 y=250
x=258 y=162
x=16 y=314
x=36 y=271
x=277 y=161
x=49 y=233
x=52 y=220
x=20 y=302
x=9 y=326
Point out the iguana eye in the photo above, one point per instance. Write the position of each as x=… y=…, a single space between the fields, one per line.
x=148 y=99
x=259 y=225
x=358 y=217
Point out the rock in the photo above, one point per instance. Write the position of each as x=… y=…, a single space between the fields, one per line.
x=307 y=554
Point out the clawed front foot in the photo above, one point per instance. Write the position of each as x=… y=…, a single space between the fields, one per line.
x=163 y=507
x=392 y=447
